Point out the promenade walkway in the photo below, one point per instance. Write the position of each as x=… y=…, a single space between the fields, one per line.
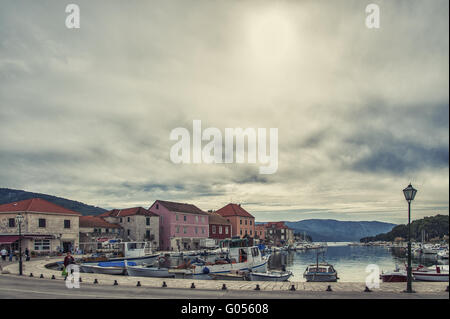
x=37 y=268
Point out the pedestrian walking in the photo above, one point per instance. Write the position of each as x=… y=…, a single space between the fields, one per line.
x=27 y=255
x=4 y=253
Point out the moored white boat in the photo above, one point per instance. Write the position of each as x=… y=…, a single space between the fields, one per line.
x=435 y=273
x=108 y=268
x=239 y=258
x=148 y=271
x=270 y=276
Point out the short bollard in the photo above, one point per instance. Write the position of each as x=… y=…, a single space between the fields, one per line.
x=41 y=276
x=292 y=288
x=138 y=284
x=53 y=277
x=329 y=288
x=115 y=283
x=95 y=281
x=224 y=287
x=367 y=289
x=192 y=286
x=257 y=287
x=31 y=274
x=164 y=285
x=80 y=280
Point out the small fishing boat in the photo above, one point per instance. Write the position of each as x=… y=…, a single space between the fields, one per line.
x=109 y=267
x=149 y=271
x=270 y=276
x=434 y=273
x=235 y=275
x=322 y=272
x=396 y=275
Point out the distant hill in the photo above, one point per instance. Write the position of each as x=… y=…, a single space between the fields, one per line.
x=433 y=227
x=14 y=195
x=335 y=230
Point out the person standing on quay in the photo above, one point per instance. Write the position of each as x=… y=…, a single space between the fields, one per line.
x=4 y=253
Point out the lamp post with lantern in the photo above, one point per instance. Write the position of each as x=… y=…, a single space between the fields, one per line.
x=409 y=193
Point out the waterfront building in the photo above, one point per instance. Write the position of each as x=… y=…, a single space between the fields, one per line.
x=138 y=224
x=46 y=227
x=219 y=227
x=242 y=222
x=278 y=234
x=182 y=226
x=260 y=233
x=94 y=231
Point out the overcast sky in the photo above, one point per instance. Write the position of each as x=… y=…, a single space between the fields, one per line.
x=86 y=113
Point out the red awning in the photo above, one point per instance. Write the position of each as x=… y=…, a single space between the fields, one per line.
x=6 y=240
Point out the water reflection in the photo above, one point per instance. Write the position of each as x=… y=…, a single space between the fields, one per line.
x=349 y=261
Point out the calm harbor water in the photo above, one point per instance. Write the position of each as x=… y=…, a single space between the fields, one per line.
x=349 y=261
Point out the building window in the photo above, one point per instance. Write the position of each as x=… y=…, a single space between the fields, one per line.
x=203 y=230
x=106 y=230
x=250 y=232
x=178 y=229
x=196 y=219
x=147 y=234
x=184 y=217
x=42 y=244
x=121 y=219
x=203 y=219
x=185 y=230
x=250 y=223
x=147 y=221
x=245 y=222
x=128 y=219
x=226 y=230
x=220 y=229
x=196 y=230
x=241 y=231
x=66 y=223
x=157 y=206
x=241 y=221
x=214 y=229
x=246 y=231
x=12 y=222
x=128 y=232
x=176 y=216
x=42 y=222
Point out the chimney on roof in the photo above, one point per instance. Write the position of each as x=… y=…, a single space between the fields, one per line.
x=239 y=205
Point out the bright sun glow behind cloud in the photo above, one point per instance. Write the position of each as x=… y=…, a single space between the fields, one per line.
x=271 y=36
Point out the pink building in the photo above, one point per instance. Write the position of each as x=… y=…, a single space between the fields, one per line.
x=181 y=226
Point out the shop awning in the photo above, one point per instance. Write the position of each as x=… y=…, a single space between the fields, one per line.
x=6 y=240
x=37 y=236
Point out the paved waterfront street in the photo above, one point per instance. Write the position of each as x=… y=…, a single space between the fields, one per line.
x=13 y=287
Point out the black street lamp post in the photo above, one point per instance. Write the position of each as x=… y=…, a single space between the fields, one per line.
x=19 y=220
x=409 y=193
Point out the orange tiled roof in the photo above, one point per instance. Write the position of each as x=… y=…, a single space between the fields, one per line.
x=95 y=221
x=182 y=207
x=38 y=205
x=128 y=212
x=215 y=218
x=233 y=210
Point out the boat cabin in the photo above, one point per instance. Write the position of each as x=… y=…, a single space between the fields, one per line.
x=321 y=268
x=134 y=249
x=240 y=251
